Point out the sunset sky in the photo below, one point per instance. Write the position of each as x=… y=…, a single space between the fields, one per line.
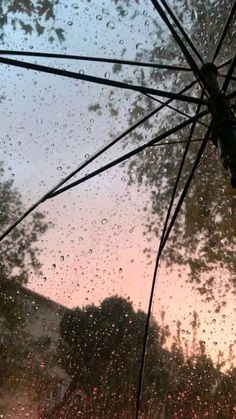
x=96 y=247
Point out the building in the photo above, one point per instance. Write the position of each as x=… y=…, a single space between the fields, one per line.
x=29 y=325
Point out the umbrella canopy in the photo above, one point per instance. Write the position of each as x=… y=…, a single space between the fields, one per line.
x=117 y=214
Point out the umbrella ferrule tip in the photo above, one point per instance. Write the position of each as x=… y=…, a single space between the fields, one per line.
x=209 y=68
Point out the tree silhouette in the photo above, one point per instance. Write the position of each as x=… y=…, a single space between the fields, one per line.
x=31 y=16
x=19 y=251
x=20 y=354
x=208 y=216
x=100 y=349
x=206 y=219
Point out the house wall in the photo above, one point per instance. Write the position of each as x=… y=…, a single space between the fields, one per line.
x=42 y=322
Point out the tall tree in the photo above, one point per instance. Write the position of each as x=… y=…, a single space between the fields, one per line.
x=31 y=16
x=203 y=238
x=19 y=255
x=101 y=350
x=19 y=251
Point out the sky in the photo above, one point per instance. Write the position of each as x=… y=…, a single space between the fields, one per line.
x=96 y=247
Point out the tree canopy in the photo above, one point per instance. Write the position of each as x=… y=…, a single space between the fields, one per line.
x=31 y=16
x=19 y=255
x=19 y=250
x=101 y=348
x=203 y=238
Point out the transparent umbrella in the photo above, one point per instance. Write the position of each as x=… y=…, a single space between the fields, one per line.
x=183 y=58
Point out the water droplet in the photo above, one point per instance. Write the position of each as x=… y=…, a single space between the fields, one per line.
x=99 y=17
x=121 y=42
x=90 y=251
x=111 y=25
x=19 y=142
x=104 y=221
x=59 y=168
x=62 y=258
x=107 y=75
x=69 y=23
x=20 y=129
x=120 y=270
x=139 y=45
x=54 y=266
x=105 y=12
x=136 y=72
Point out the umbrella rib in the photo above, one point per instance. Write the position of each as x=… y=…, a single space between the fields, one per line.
x=181 y=168
x=158 y=257
x=186 y=187
x=174 y=109
x=180 y=43
x=127 y=155
x=227 y=62
x=229 y=74
x=98 y=80
x=159 y=252
x=86 y=163
x=207 y=157
x=224 y=31
x=225 y=75
x=181 y=29
x=197 y=140
x=95 y=59
x=231 y=95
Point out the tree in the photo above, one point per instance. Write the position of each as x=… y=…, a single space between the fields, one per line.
x=206 y=219
x=31 y=16
x=101 y=350
x=203 y=238
x=19 y=251
x=19 y=255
